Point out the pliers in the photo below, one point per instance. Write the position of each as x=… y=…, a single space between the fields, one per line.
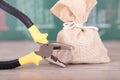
x=46 y=47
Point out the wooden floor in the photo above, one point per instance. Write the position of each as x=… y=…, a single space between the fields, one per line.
x=46 y=71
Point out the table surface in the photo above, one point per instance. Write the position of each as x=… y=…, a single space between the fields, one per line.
x=46 y=71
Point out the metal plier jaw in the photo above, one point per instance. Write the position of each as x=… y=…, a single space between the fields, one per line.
x=46 y=51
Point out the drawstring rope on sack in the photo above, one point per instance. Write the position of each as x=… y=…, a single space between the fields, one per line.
x=69 y=25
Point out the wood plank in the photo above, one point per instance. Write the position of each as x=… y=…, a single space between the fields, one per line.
x=46 y=71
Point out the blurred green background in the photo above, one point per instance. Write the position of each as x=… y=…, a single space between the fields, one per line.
x=105 y=16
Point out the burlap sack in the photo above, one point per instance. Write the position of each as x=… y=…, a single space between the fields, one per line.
x=73 y=10
x=87 y=45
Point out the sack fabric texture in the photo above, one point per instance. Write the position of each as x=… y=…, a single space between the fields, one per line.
x=86 y=42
